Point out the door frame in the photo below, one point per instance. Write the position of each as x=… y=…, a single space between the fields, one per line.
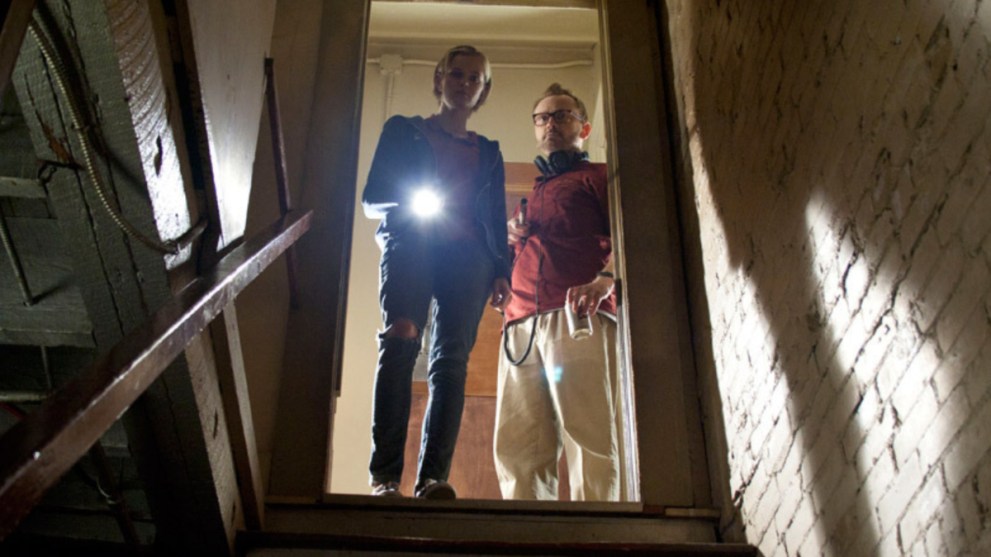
x=666 y=459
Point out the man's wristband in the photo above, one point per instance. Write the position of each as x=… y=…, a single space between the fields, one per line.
x=606 y=274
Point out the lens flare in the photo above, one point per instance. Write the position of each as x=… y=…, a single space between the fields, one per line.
x=426 y=203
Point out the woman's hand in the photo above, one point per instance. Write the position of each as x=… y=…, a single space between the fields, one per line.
x=501 y=293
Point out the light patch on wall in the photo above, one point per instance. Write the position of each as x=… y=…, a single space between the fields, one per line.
x=901 y=428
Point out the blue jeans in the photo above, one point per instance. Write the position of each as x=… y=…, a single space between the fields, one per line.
x=458 y=276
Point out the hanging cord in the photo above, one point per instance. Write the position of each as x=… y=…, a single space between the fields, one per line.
x=50 y=55
x=536 y=301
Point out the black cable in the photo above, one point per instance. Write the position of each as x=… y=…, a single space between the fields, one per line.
x=536 y=296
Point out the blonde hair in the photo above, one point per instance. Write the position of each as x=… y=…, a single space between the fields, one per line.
x=445 y=63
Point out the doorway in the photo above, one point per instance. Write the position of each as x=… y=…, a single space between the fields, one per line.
x=529 y=48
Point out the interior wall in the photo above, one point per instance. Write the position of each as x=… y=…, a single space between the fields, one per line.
x=505 y=117
x=263 y=307
x=838 y=157
x=230 y=59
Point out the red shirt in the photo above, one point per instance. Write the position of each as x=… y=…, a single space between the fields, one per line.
x=569 y=241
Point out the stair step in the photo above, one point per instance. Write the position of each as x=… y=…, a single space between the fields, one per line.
x=466 y=527
x=262 y=545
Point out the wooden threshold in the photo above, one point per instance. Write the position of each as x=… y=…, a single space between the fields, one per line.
x=462 y=527
x=482 y=522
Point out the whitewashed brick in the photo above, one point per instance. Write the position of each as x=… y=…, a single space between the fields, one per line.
x=978 y=379
x=984 y=485
x=889 y=546
x=893 y=503
x=918 y=548
x=880 y=476
x=866 y=416
x=969 y=448
x=877 y=441
x=976 y=225
x=914 y=423
x=778 y=446
x=814 y=541
x=969 y=510
x=952 y=415
x=952 y=530
x=916 y=378
x=841 y=502
x=966 y=300
x=863 y=228
x=858 y=277
x=934 y=540
x=800 y=526
x=958 y=360
x=763 y=514
x=930 y=499
x=791 y=497
x=934 y=296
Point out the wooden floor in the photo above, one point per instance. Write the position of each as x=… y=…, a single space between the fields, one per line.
x=472 y=470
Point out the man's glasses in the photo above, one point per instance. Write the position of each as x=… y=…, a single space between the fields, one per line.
x=559 y=116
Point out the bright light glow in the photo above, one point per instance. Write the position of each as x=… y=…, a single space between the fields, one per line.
x=426 y=203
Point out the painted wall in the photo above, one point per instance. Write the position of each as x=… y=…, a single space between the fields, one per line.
x=838 y=157
x=230 y=58
x=263 y=307
x=504 y=117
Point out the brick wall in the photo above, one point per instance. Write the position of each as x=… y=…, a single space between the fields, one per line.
x=838 y=154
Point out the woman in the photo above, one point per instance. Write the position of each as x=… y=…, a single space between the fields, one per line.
x=458 y=256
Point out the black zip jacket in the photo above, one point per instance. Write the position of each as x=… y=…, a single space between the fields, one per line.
x=404 y=160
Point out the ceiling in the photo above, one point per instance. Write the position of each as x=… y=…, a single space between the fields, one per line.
x=508 y=32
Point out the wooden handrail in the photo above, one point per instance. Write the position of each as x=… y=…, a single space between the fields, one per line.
x=36 y=451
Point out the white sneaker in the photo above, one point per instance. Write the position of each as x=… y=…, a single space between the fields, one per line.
x=387 y=489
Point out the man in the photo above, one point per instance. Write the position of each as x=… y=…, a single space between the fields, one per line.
x=556 y=391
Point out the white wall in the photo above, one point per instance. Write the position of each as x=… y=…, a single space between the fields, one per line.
x=506 y=118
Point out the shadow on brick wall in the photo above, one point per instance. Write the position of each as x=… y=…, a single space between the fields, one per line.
x=759 y=195
x=835 y=149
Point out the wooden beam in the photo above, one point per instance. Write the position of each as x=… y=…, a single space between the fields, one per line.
x=229 y=359
x=655 y=335
x=27 y=188
x=14 y=18
x=40 y=448
x=57 y=315
x=315 y=330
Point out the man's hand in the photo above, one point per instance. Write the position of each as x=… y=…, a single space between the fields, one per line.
x=517 y=232
x=500 y=293
x=585 y=298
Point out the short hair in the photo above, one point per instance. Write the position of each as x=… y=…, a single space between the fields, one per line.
x=555 y=90
x=462 y=50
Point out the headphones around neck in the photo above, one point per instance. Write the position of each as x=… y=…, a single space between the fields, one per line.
x=559 y=162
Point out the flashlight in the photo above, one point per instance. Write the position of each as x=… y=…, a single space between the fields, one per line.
x=426 y=203
x=521 y=219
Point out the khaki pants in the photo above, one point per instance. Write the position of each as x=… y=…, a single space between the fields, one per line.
x=565 y=394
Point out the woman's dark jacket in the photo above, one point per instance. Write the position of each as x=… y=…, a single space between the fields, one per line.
x=404 y=160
